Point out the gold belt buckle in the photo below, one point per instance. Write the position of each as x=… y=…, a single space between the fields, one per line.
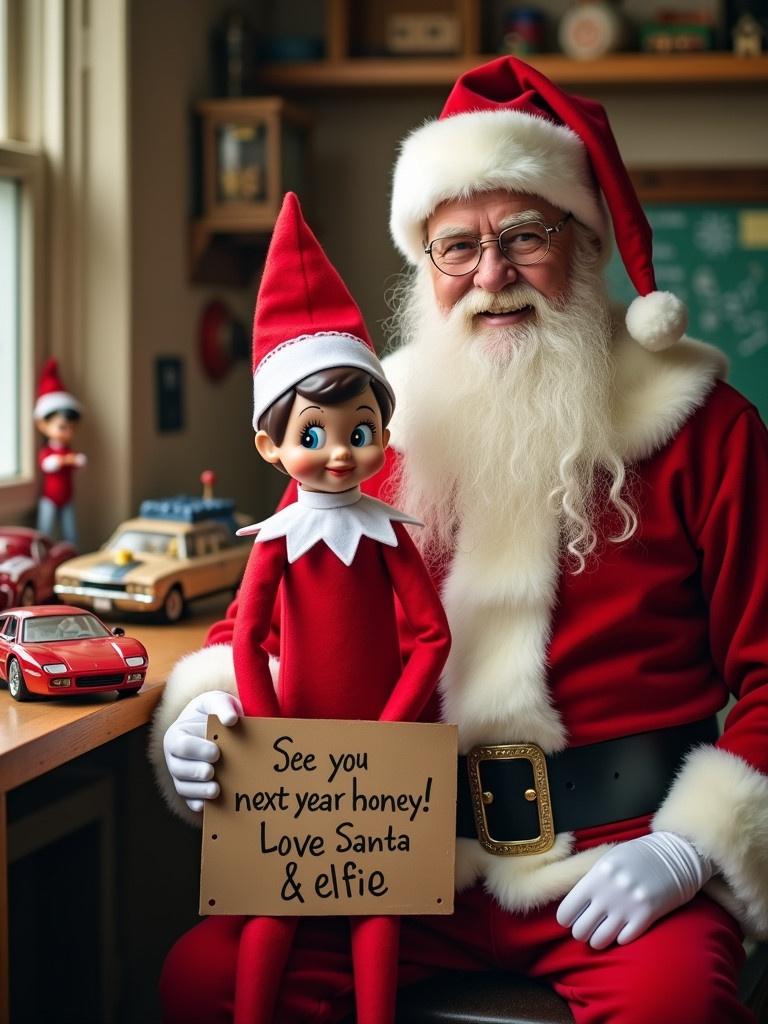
x=512 y=752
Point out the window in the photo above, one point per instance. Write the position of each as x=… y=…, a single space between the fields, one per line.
x=26 y=35
x=207 y=542
x=10 y=465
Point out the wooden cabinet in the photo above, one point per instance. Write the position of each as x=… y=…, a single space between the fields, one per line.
x=252 y=152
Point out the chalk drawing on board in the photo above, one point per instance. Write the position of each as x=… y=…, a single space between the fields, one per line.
x=715 y=257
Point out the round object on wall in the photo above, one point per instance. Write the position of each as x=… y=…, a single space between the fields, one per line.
x=223 y=340
x=591 y=30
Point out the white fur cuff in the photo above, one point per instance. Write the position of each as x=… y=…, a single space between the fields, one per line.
x=211 y=668
x=720 y=804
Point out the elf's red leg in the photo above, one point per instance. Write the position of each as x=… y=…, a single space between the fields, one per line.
x=375 y=944
x=265 y=945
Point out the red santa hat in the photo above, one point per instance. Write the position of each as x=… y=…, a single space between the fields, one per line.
x=305 y=320
x=52 y=395
x=506 y=126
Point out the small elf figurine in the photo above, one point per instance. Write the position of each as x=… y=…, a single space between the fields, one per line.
x=322 y=404
x=57 y=414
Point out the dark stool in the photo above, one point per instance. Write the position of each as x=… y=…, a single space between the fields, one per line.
x=481 y=998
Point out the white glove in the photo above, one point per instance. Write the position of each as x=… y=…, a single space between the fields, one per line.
x=189 y=755
x=631 y=886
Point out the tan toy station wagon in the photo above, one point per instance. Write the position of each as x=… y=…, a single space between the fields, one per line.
x=178 y=549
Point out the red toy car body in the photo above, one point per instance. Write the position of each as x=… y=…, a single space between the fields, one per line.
x=28 y=561
x=57 y=650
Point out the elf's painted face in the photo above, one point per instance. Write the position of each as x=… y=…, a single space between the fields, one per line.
x=57 y=428
x=330 y=448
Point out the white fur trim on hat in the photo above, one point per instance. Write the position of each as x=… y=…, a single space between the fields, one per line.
x=55 y=401
x=297 y=358
x=657 y=320
x=484 y=150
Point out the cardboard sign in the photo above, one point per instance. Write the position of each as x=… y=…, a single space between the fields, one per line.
x=330 y=817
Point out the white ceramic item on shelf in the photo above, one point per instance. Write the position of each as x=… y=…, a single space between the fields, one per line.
x=591 y=30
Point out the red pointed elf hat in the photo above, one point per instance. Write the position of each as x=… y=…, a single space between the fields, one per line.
x=305 y=319
x=51 y=393
x=506 y=126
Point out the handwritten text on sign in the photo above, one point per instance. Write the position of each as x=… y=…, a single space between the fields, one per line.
x=330 y=817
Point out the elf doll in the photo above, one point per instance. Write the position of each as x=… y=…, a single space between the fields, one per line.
x=321 y=408
x=57 y=414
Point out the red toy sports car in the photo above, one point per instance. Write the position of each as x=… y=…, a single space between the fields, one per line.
x=56 y=650
x=28 y=560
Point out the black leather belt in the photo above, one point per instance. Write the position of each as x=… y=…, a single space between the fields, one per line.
x=514 y=798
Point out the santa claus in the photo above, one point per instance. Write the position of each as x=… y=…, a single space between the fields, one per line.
x=594 y=498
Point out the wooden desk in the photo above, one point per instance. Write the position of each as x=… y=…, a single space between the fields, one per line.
x=40 y=735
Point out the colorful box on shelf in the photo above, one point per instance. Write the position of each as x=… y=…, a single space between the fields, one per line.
x=665 y=37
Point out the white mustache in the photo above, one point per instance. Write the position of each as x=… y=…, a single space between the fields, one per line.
x=508 y=301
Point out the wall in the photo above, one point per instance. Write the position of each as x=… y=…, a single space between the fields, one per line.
x=169 y=71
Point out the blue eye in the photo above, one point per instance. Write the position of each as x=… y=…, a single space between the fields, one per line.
x=313 y=437
x=361 y=436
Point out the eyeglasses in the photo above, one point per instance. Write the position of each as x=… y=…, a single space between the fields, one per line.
x=521 y=244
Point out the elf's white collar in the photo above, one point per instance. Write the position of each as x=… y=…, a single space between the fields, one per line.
x=338 y=519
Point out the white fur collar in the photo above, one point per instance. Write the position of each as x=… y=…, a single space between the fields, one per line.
x=654 y=392
x=340 y=520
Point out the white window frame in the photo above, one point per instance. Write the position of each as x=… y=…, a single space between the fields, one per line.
x=25 y=166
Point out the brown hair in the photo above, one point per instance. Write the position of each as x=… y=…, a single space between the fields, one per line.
x=70 y=414
x=328 y=387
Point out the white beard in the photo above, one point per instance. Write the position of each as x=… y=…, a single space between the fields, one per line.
x=503 y=431
x=505 y=426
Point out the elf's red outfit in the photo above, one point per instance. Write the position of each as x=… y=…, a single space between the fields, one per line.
x=339 y=658
x=339 y=646
x=57 y=478
x=338 y=559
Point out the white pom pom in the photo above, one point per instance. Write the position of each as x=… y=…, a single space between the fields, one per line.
x=657 y=320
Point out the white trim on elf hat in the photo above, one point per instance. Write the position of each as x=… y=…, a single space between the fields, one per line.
x=51 y=394
x=297 y=358
x=305 y=320
x=506 y=126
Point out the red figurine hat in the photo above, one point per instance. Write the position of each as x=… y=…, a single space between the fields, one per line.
x=506 y=126
x=305 y=319
x=52 y=396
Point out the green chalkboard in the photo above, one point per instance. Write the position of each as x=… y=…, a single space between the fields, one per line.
x=715 y=257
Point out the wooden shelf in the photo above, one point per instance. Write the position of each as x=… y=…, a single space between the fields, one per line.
x=620 y=70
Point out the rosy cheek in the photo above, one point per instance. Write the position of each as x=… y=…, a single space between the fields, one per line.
x=374 y=461
x=302 y=463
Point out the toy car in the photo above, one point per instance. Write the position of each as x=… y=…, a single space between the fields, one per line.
x=56 y=651
x=28 y=560
x=179 y=549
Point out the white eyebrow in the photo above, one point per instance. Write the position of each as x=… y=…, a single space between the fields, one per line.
x=451 y=231
x=521 y=218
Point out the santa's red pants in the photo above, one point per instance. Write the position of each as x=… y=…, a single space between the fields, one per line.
x=682 y=971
